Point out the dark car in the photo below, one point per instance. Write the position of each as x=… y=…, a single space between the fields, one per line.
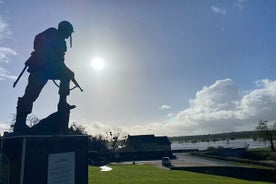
x=166 y=161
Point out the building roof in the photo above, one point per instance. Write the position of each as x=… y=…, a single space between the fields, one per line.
x=138 y=139
x=162 y=140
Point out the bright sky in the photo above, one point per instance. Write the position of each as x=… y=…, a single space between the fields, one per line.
x=165 y=67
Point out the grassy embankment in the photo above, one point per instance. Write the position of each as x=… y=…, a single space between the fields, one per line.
x=257 y=157
x=147 y=174
x=262 y=153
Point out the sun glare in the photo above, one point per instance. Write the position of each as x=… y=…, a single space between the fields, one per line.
x=97 y=63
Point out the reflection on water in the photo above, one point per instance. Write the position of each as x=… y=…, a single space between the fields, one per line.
x=237 y=143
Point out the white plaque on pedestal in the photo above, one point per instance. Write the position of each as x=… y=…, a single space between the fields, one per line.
x=61 y=168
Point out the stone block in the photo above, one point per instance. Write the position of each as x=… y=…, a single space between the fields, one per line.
x=44 y=160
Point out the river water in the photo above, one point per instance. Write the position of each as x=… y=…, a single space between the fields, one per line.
x=237 y=143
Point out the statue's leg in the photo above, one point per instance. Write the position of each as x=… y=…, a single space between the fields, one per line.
x=64 y=91
x=36 y=82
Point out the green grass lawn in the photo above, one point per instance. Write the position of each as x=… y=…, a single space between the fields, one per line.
x=147 y=174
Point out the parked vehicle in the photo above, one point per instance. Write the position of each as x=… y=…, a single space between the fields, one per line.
x=166 y=161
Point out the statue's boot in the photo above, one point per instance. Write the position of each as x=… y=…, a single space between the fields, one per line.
x=23 y=109
x=20 y=123
x=63 y=105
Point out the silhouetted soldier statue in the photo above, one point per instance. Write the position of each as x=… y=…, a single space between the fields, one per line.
x=46 y=62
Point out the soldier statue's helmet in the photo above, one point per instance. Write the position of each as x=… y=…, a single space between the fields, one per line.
x=65 y=27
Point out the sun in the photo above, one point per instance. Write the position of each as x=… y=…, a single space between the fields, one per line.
x=97 y=63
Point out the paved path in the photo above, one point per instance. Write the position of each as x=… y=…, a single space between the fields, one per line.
x=184 y=160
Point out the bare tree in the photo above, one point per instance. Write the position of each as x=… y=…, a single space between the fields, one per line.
x=95 y=143
x=266 y=133
x=115 y=138
x=77 y=129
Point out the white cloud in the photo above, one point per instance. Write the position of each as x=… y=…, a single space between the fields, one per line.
x=4 y=127
x=240 y=4
x=165 y=107
x=4 y=74
x=219 y=108
x=218 y=10
x=96 y=128
x=5 y=52
x=4 y=29
x=170 y=115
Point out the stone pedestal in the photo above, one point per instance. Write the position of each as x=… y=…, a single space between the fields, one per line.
x=43 y=160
